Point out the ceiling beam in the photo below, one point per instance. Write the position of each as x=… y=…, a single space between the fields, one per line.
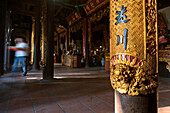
x=64 y=6
x=59 y=10
x=22 y=12
x=18 y=10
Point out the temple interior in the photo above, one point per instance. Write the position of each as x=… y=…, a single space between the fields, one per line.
x=68 y=61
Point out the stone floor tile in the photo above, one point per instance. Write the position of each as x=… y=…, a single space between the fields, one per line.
x=50 y=109
x=18 y=105
x=21 y=110
x=40 y=104
x=78 y=108
x=107 y=98
x=68 y=103
x=88 y=100
x=101 y=107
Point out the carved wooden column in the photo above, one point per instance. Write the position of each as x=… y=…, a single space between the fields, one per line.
x=134 y=55
x=37 y=37
x=2 y=33
x=48 y=69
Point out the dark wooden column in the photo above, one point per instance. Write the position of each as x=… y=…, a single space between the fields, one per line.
x=37 y=37
x=135 y=104
x=2 y=33
x=58 y=46
x=87 y=55
x=66 y=39
x=69 y=36
x=48 y=70
x=6 y=44
x=85 y=42
x=84 y=37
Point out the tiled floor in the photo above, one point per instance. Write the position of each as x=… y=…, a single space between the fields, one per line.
x=75 y=90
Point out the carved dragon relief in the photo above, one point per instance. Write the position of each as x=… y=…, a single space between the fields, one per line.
x=129 y=77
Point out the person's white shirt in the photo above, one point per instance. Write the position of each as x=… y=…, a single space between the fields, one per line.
x=21 y=53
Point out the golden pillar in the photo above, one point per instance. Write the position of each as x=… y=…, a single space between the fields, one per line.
x=134 y=55
x=32 y=41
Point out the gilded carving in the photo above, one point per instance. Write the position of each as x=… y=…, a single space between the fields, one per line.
x=129 y=77
x=151 y=16
x=76 y=15
x=87 y=7
x=97 y=1
x=98 y=16
x=76 y=27
x=92 y=5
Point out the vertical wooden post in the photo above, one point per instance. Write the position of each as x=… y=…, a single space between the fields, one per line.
x=58 y=46
x=133 y=51
x=2 y=33
x=9 y=42
x=66 y=39
x=84 y=37
x=69 y=36
x=85 y=42
x=37 y=37
x=48 y=70
x=6 y=41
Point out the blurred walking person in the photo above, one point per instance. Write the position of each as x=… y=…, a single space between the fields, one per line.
x=21 y=54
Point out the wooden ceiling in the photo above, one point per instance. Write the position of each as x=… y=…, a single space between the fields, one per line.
x=22 y=7
x=63 y=9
